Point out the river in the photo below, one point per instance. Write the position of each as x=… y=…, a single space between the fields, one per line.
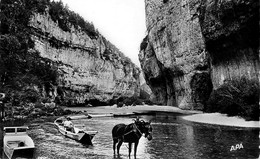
x=173 y=137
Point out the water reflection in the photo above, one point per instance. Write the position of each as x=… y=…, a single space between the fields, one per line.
x=191 y=140
x=172 y=138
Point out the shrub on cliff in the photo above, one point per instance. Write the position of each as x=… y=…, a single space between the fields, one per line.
x=236 y=97
x=65 y=18
x=22 y=70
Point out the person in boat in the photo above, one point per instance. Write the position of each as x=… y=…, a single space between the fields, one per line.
x=69 y=125
x=21 y=144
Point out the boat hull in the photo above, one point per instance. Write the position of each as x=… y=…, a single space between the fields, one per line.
x=21 y=153
x=17 y=143
x=84 y=137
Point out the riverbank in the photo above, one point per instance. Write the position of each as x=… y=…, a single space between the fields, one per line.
x=34 y=111
x=191 y=139
x=222 y=119
x=190 y=115
x=51 y=144
x=130 y=110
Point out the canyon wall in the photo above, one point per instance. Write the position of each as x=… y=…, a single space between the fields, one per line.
x=231 y=32
x=193 y=46
x=173 y=53
x=90 y=69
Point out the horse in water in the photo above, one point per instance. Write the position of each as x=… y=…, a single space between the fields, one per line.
x=131 y=134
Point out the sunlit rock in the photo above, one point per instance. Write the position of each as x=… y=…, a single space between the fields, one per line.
x=90 y=68
x=173 y=51
x=194 y=46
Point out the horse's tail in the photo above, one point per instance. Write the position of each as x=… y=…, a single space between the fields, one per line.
x=118 y=132
x=114 y=136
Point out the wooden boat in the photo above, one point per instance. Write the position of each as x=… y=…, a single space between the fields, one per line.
x=80 y=135
x=82 y=116
x=101 y=115
x=17 y=143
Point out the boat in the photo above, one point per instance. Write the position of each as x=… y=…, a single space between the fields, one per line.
x=101 y=115
x=17 y=143
x=81 y=116
x=79 y=134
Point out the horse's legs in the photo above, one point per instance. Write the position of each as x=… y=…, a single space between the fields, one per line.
x=136 y=144
x=114 y=145
x=119 y=145
x=130 y=148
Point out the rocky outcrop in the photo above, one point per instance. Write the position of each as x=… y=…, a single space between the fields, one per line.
x=90 y=69
x=173 y=53
x=193 y=46
x=231 y=31
x=145 y=90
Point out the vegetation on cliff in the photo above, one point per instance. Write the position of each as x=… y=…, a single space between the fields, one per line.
x=65 y=18
x=21 y=67
x=236 y=97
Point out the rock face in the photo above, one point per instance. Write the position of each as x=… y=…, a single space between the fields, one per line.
x=145 y=90
x=231 y=33
x=192 y=46
x=90 y=68
x=173 y=53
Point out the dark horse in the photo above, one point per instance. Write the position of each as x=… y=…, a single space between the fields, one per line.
x=131 y=133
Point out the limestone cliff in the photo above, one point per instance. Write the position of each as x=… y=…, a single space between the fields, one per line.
x=173 y=53
x=192 y=46
x=231 y=33
x=90 y=69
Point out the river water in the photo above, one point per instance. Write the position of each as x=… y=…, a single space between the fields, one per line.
x=173 y=137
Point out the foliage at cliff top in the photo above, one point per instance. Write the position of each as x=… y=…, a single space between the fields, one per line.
x=22 y=10
x=237 y=97
x=65 y=17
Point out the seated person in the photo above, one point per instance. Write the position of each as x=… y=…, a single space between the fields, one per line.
x=21 y=144
x=69 y=125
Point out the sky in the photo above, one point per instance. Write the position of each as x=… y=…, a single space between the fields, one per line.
x=122 y=22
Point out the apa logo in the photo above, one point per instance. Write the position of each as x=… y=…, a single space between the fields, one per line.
x=236 y=147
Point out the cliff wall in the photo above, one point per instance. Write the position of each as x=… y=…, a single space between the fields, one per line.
x=90 y=68
x=231 y=33
x=193 y=46
x=173 y=53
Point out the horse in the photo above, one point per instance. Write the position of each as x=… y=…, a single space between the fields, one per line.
x=130 y=134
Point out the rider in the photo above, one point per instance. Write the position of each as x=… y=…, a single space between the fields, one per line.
x=69 y=125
